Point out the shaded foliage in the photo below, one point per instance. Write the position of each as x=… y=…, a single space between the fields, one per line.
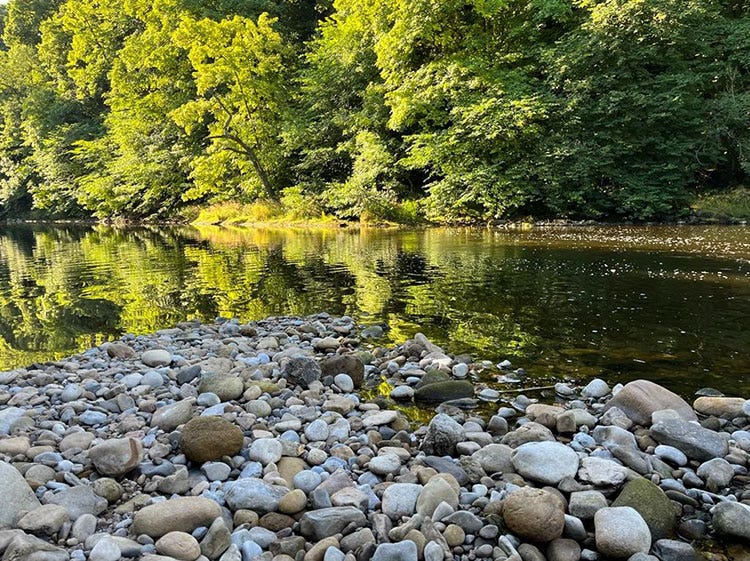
x=375 y=110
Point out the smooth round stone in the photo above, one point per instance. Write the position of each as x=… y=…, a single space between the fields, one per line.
x=71 y=393
x=38 y=475
x=132 y=380
x=208 y=399
x=460 y=370
x=259 y=408
x=670 y=454
x=717 y=473
x=621 y=532
x=563 y=549
x=266 y=451
x=596 y=388
x=317 y=431
x=488 y=394
x=534 y=514
x=156 y=357
x=209 y=438
x=385 y=464
x=307 y=480
x=153 y=379
x=402 y=392
x=179 y=545
x=400 y=499
x=454 y=535
x=216 y=471
x=116 y=456
x=746 y=408
x=293 y=502
x=532 y=460
x=344 y=382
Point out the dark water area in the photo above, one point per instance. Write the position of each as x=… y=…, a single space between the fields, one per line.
x=671 y=304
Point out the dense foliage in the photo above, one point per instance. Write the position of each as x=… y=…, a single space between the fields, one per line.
x=373 y=109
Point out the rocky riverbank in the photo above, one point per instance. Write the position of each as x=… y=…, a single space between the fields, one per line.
x=253 y=441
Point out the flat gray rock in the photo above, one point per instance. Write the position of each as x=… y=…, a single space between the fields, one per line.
x=326 y=522
x=534 y=461
x=254 y=494
x=693 y=440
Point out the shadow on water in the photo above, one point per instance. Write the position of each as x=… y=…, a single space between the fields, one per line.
x=668 y=303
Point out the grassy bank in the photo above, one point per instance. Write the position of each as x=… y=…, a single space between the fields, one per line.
x=729 y=206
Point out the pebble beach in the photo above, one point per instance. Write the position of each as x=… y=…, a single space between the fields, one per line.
x=289 y=439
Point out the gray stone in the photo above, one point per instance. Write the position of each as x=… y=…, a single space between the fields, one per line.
x=326 y=522
x=602 y=472
x=226 y=386
x=620 y=532
x=156 y=357
x=217 y=540
x=563 y=549
x=494 y=458
x=344 y=382
x=385 y=464
x=400 y=499
x=695 y=441
x=436 y=491
x=401 y=551
x=170 y=417
x=47 y=519
x=443 y=433
x=402 y=392
x=674 y=550
x=23 y=547
x=117 y=456
x=717 y=473
x=84 y=527
x=670 y=454
x=265 y=450
x=79 y=500
x=317 y=431
x=106 y=549
x=732 y=519
x=640 y=398
x=17 y=496
x=532 y=460
x=433 y=551
x=585 y=504
x=254 y=494
x=596 y=388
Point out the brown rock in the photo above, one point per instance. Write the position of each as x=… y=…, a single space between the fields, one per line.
x=534 y=514
x=344 y=364
x=183 y=514
x=724 y=407
x=209 y=438
x=639 y=399
x=179 y=545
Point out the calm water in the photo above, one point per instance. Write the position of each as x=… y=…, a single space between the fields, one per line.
x=668 y=303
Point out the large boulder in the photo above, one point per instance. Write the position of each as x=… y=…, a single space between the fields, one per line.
x=534 y=514
x=209 y=438
x=17 y=496
x=640 y=398
x=652 y=504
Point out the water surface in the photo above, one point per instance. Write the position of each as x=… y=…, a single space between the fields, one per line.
x=667 y=303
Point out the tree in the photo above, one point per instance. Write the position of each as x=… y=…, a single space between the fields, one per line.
x=240 y=74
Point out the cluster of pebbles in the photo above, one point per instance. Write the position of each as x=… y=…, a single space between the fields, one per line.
x=239 y=442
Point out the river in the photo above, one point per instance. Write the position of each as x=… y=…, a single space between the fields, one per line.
x=667 y=303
